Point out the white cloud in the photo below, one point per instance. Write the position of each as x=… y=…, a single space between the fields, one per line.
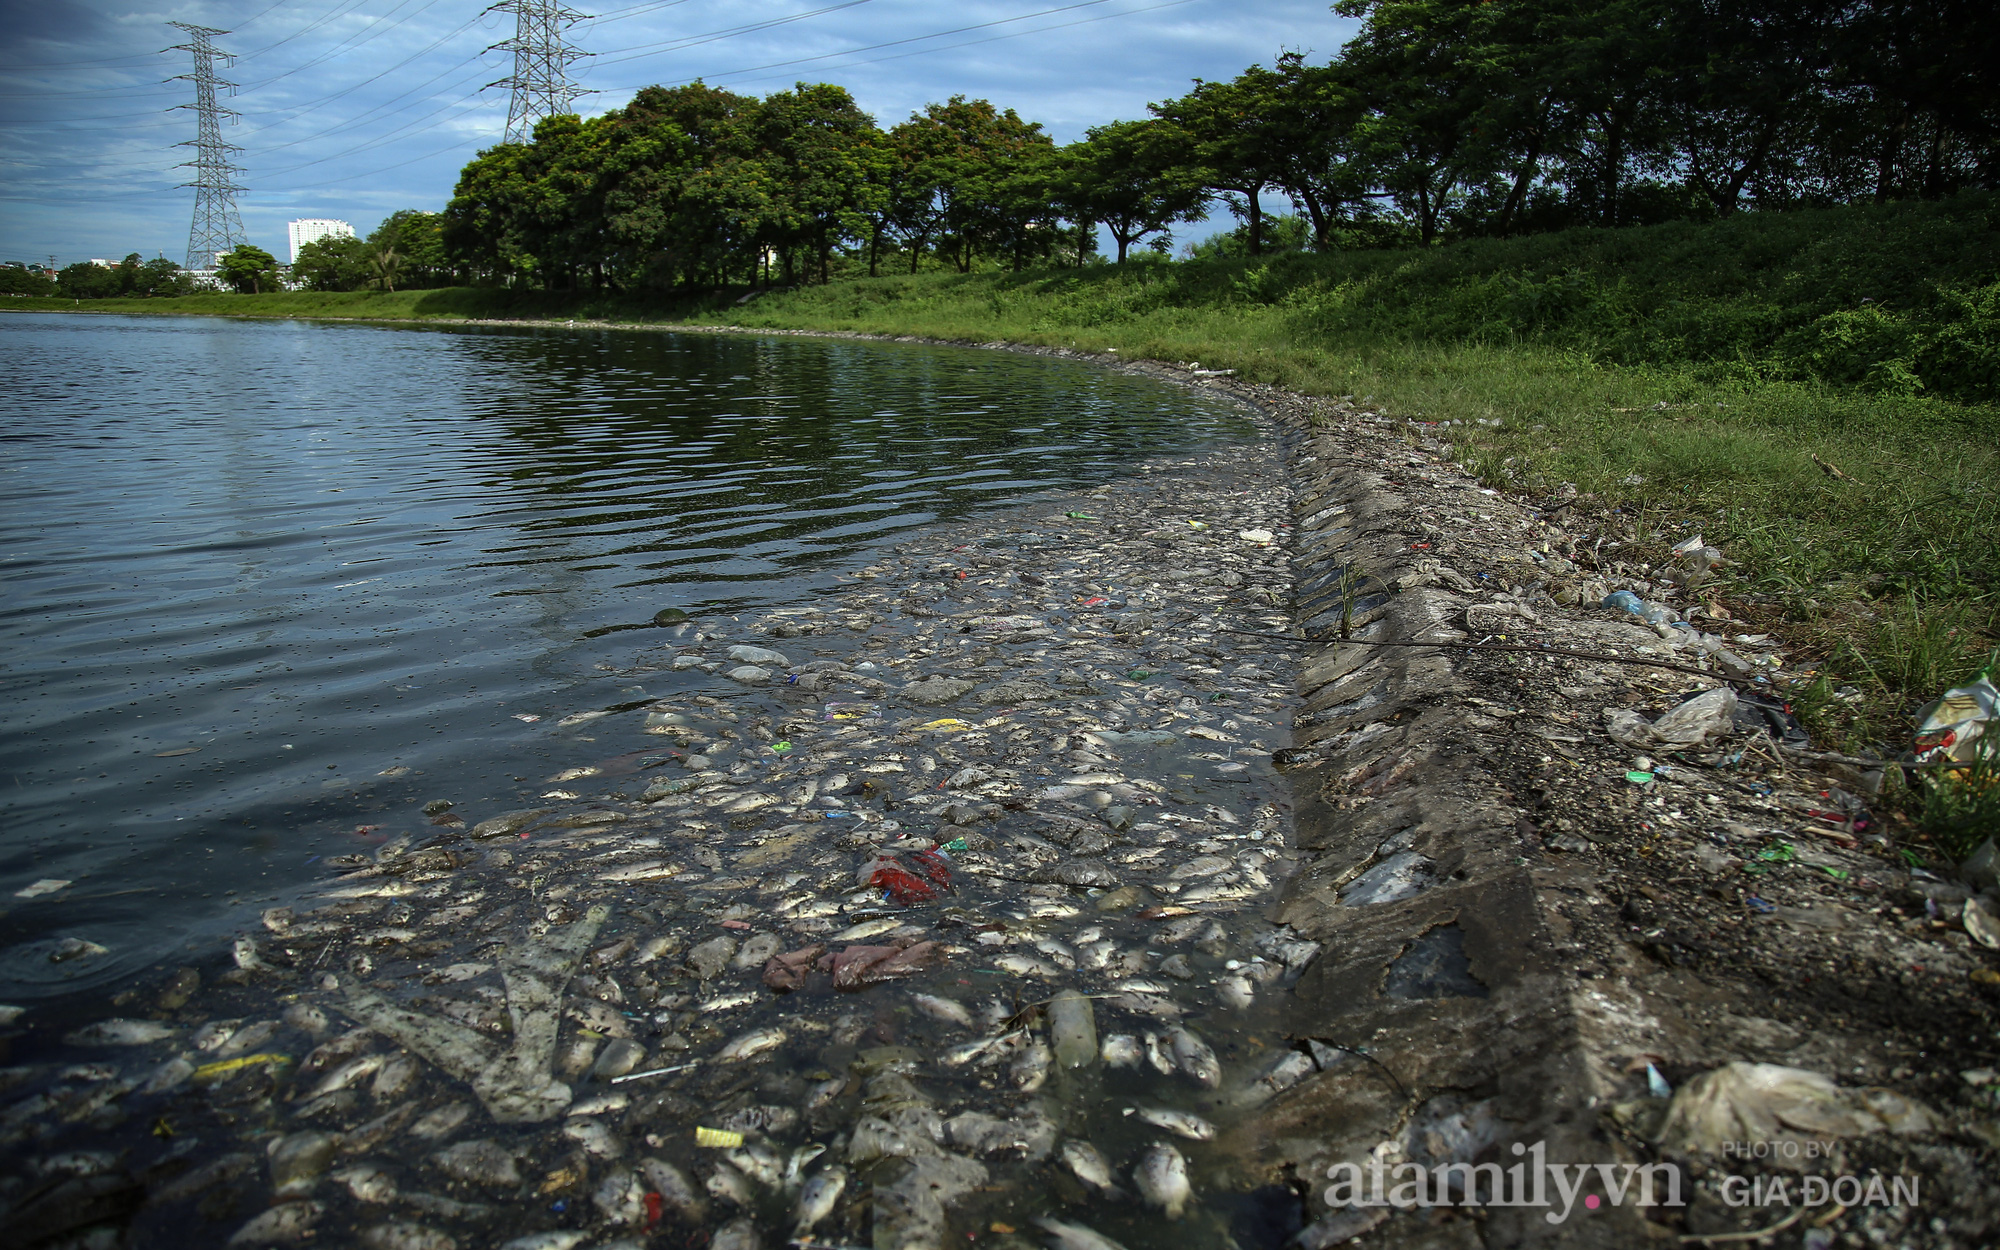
x=353 y=108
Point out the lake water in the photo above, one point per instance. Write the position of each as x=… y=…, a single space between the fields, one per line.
x=251 y=567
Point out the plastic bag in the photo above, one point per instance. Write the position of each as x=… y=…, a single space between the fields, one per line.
x=1708 y=717
x=1949 y=728
x=919 y=877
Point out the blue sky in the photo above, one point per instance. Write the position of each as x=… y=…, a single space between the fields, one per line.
x=355 y=108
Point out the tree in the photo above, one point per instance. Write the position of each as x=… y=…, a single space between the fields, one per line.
x=21 y=280
x=161 y=278
x=1125 y=176
x=384 y=264
x=1229 y=142
x=334 y=263
x=85 y=280
x=418 y=240
x=250 y=269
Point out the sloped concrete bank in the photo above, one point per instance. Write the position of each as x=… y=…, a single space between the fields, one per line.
x=1699 y=996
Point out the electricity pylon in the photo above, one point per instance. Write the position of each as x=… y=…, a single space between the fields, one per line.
x=542 y=56
x=217 y=227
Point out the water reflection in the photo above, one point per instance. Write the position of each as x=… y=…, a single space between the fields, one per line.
x=254 y=567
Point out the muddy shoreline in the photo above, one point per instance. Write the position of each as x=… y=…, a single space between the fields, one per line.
x=1458 y=924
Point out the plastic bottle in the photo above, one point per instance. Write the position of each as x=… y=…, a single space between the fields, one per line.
x=1651 y=613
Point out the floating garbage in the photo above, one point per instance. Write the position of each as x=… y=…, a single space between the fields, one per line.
x=906 y=880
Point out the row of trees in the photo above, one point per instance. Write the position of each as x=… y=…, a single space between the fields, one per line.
x=1440 y=119
x=406 y=250
x=129 y=278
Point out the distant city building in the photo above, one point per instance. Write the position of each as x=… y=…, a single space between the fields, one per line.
x=311 y=229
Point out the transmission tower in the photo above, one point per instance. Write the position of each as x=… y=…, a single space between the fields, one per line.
x=542 y=56
x=217 y=227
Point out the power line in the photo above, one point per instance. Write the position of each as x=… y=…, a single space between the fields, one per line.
x=217 y=227
x=827 y=56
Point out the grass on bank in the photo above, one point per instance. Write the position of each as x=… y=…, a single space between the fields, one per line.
x=1685 y=374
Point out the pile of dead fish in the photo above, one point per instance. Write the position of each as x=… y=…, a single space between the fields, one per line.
x=924 y=909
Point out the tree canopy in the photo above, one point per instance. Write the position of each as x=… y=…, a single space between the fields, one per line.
x=1439 y=120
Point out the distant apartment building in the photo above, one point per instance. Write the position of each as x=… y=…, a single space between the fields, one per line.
x=310 y=229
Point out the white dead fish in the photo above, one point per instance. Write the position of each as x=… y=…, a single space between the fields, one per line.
x=121 y=1033
x=555 y=1239
x=394 y=1077
x=1180 y=1123
x=1158 y=1055
x=795 y=1167
x=755 y=1042
x=675 y=1188
x=1195 y=1057
x=621 y=1197
x=350 y=1073
x=1120 y=1050
x=1074 y=1236
x=728 y=1002
x=1023 y=965
x=731 y=1185
x=817 y=1199
x=1091 y=1167
x=1236 y=992
x=1031 y=1067
x=214 y=1033
x=287 y=1222
x=1162 y=1179
x=593 y=1137
x=943 y=1009
x=367 y=1183
x=758 y=1162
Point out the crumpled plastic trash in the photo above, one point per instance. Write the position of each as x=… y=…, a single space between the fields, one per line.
x=859 y=966
x=919 y=877
x=1708 y=717
x=787 y=972
x=1767 y=1102
x=1949 y=729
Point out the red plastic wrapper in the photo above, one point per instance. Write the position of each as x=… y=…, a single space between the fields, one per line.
x=919 y=877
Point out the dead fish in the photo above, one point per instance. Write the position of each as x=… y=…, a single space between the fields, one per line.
x=1236 y=992
x=1158 y=1055
x=1074 y=1236
x=825 y=1092
x=1091 y=1167
x=795 y=1167
x=1022 y=965
x=654 y=948
x=351 y=1073
x=1141 y=985
x=943 y=1009
x=817 y=1199
x=1055 y=950
x=1031 y=1067
x=755 y=1042
x=367 y=1183
x=1181 y=1123
x=674 y=1188
x=758 y=1162
x=738 y=1234
x=867 y=929
x=214 y=1033
x=1095 y=954
x=121 y=1033
x=394 y=1077
x=964 y=1053
x=1195 y=1057
x=731 y=1185
x=336 y=1051
x=621 y=1197
x=728 y=1002
x=1120 y=1050
x=803 y=792
x=593 y=1137
x=1162 y=1179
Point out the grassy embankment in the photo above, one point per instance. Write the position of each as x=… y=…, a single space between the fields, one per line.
x=1686 y=373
